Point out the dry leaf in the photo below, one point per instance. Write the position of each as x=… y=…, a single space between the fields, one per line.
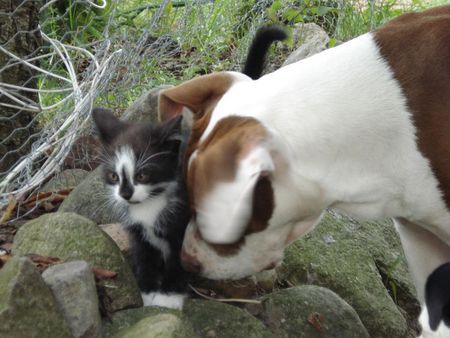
x=43 y=262
x=316 y=319
x=103 y=273
x=4 y=259
x=7 y=213
x=53 y=197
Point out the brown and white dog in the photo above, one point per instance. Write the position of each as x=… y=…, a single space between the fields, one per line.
x=363 y=127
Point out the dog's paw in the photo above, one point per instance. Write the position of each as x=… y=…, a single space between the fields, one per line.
x=169 y=300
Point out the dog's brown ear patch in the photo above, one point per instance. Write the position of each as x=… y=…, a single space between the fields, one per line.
x=198 y=95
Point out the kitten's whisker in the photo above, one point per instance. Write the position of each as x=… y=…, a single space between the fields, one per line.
x=155 y=155
x=141 y=156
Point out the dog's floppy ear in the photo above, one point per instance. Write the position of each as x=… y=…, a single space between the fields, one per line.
x=197 y=94
x=242 y=205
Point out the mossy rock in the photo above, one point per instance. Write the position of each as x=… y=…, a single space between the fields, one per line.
x=91 y=200
x=122 y=320
x=311 y=311
x=66 y=179
x=27 y=306
x=72 y=237
x=219 y=320
x=199 y=318
x=364 y=264
x=158 y=326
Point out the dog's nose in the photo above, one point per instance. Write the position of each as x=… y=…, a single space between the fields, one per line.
x=190 y=263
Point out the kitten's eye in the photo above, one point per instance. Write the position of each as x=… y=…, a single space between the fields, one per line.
x=141 y=177
x=113 y=177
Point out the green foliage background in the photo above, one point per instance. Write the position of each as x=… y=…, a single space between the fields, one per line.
x=202 y=35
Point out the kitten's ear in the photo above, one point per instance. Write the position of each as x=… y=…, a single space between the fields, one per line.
x=108 y=125
x=172 y=129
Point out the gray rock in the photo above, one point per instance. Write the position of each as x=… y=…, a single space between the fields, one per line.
x=66 y=179
x=73 y=286
x=240 y=288
x=311 y=311
x=122 y=320
x=364 y=265
x=91 y=200
x=119 y=235
x=158 y=326
x=27 y=306
x=73 y=237
x=312 y=40
x=215 y=319
x=201 y=318
x=145 y=108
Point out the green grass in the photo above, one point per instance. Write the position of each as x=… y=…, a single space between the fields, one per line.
x=213 y=36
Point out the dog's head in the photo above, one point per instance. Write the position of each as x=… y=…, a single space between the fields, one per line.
x=232 y=171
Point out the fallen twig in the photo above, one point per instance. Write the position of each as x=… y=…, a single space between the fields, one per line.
x=226 y=300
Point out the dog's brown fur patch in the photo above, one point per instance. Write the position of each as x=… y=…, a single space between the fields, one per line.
x=217 y=160
x=200 y=95
x=417 y=47
x=218 y=156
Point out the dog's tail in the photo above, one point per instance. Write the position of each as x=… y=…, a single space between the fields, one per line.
x=257 y=52
x=437 y=296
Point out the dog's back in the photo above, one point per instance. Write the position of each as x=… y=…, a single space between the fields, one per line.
x=417 y=47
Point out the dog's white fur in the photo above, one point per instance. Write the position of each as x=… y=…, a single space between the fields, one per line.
x=340 y=135
x=343 y=136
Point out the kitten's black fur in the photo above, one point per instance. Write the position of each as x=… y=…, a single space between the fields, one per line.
x=153 y=271
x=437 y=296
x=147 y=140
x=256 y=56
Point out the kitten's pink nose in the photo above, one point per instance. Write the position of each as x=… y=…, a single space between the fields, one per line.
x=190 y=263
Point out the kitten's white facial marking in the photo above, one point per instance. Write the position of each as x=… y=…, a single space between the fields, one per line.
x=125 y=161
x=126 y=165
x=168 y=300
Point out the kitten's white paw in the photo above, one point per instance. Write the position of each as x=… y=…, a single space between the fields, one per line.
x=147 y=298
x=169 y=300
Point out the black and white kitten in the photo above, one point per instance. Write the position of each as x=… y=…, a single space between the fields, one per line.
x=141 y=167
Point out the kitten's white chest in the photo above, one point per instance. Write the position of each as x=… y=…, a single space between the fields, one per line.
x=146 y=213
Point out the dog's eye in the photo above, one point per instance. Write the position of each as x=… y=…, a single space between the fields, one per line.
x=113 y=177
x=141 y=177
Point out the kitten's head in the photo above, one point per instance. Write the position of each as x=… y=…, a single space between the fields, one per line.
x=140 y=159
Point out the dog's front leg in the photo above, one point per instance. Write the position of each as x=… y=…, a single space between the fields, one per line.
x=424 y=252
